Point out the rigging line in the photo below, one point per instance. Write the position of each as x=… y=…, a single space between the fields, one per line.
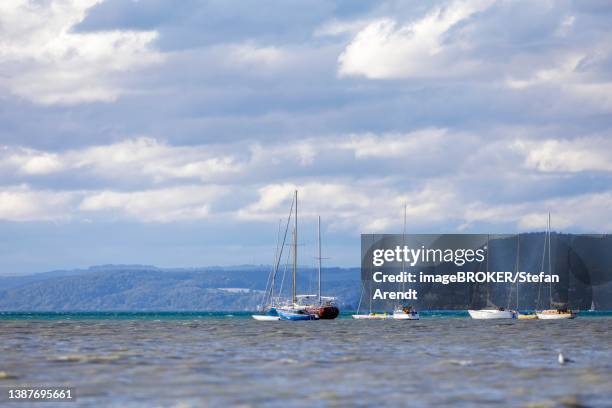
x=270 y=280
x=280 y=292
x=278 y=259
x=360 y=297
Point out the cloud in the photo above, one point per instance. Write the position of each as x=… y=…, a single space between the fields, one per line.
x=21 y=203
x=418 y=49
x=45 y=61
x=31 y=162
x=412 y=144
x=574 y=155
x=138 y=160
x=371 y=205
x=162 y=205
x=581 y=212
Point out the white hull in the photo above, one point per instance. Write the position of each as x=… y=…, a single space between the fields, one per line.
x=491 y=314
x=372 y=317
x=405 y=316
x=554 y=316
x=265 y=318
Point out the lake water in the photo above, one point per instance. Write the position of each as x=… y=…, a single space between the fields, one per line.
x=211 y=359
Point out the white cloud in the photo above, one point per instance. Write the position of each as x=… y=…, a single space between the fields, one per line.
x=371 y=205
x=32 y=162
x=139 y=159
x=357 y=182
x=21 y=203
x=162 y=205
x=384 y=49
x=414 y=143
x=45 y=61
x=582 y=212
x=574 y=155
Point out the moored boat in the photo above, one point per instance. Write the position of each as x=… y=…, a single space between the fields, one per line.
x=373 y=316
x=555 y=314
x=492 y=314
x=405 y=313
x=556 y=310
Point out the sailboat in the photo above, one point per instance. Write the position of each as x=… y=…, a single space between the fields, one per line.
x=293 y=310
x=560 y=312
x=370 y=315
x=269 y=303
x=323 y=306
x=491 y=312
x=405 y=312
x=519 y=315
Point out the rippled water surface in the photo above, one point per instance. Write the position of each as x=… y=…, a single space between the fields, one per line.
x=212 y=360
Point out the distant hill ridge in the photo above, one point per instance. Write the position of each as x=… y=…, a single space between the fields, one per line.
x=146 y=287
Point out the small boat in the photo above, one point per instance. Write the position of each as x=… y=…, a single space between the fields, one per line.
x=555 y=314
x=491 y=311
x=296 y=314
x=373 y=316
x=592 y=309
x=405 y=313
x=557 y=310
x=499 y=313
x=527 y=316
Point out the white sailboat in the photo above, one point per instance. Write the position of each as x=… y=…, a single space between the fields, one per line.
x=558 y=313
x=269 y=304
x=403 y=312
x=370 y=315
x=491 y=312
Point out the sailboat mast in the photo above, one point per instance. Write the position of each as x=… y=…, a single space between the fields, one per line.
x=404 y=244
x=293 y=296
x=488 y=252
x=319 y=234
x=549 y=266
x=518 y=267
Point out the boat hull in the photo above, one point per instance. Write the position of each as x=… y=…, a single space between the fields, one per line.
x=324 y=312
x=296 y=315
x=373 y=316
x=554 y=315
x=527 y=317
x=405 y=316
x=265 y=318
x=486 y=314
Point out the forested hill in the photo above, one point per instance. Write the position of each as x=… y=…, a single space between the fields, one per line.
x=138 y=287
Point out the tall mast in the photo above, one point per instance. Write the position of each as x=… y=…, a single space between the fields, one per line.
x=403 y=244
x=488 y=252
x=295 y=248
x=518 y=266
x=319 y=233
x=549 y=266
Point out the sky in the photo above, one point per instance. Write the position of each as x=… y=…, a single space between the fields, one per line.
x=174 y=133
